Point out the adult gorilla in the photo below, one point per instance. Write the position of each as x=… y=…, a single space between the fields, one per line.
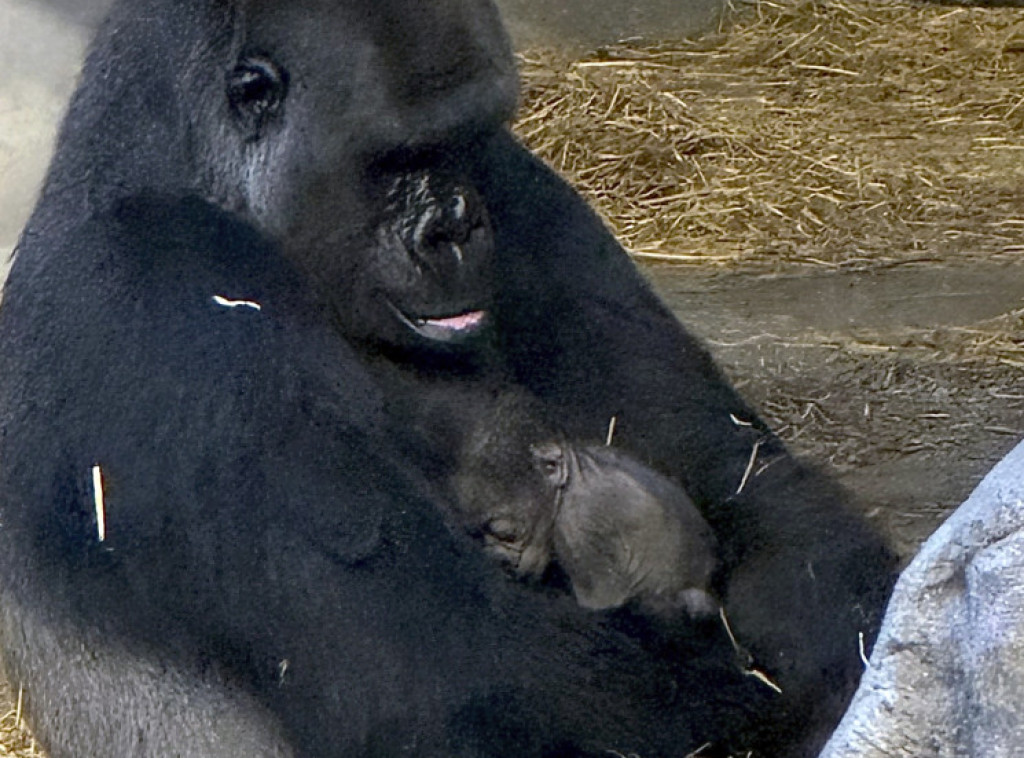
x=262 y=571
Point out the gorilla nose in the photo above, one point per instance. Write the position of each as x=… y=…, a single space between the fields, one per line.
x=445 y=227
x=440 y=220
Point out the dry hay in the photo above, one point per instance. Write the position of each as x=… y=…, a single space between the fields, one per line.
x=999 y=339
x=15 y=741
x=839 y=132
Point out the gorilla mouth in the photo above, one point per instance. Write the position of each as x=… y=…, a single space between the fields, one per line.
x=451 y=327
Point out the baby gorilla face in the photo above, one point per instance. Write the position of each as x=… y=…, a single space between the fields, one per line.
x=500 y=493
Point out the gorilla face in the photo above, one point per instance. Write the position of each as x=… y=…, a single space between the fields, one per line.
x=344 y=154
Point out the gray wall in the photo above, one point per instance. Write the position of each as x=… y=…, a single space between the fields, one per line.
x=583 y=24
x=40 y=53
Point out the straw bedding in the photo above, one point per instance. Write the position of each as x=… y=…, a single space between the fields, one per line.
x=15 y=741
x=828 y=132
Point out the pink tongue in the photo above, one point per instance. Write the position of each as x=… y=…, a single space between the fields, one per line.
x=460 y=323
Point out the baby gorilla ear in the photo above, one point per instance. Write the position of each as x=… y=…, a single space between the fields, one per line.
x=549 y=459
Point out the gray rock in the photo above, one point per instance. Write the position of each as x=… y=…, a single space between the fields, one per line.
x=946 y=677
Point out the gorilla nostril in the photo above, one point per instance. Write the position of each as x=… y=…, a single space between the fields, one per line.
x=444 y=228
x=440 y=220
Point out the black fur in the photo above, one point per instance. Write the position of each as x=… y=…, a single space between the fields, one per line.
x=275 y=578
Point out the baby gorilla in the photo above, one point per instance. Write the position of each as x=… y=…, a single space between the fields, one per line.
x=621 y=532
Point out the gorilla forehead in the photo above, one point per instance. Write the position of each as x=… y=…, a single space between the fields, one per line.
x=431 y=44
x=400 y=72
x=366 y=78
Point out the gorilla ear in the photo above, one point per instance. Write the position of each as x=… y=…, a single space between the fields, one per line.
x=549 y=459
x=256 y=89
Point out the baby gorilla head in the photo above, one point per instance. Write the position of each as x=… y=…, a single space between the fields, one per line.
x=499 y=493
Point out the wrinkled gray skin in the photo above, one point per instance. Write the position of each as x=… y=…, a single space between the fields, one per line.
x=625 y=533
x=946 y=677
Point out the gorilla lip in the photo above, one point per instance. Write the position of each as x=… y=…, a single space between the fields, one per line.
x=460 y=323
x=444 y=328
x=450 y=327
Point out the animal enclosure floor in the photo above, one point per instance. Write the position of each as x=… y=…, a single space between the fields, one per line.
x=814 y=132
x=15 y=741
x=904 y=382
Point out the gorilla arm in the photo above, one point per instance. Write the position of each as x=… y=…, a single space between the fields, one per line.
x=803 y=575
x=265 y=551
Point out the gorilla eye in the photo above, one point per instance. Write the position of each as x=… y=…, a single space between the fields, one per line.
x=256 y=90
